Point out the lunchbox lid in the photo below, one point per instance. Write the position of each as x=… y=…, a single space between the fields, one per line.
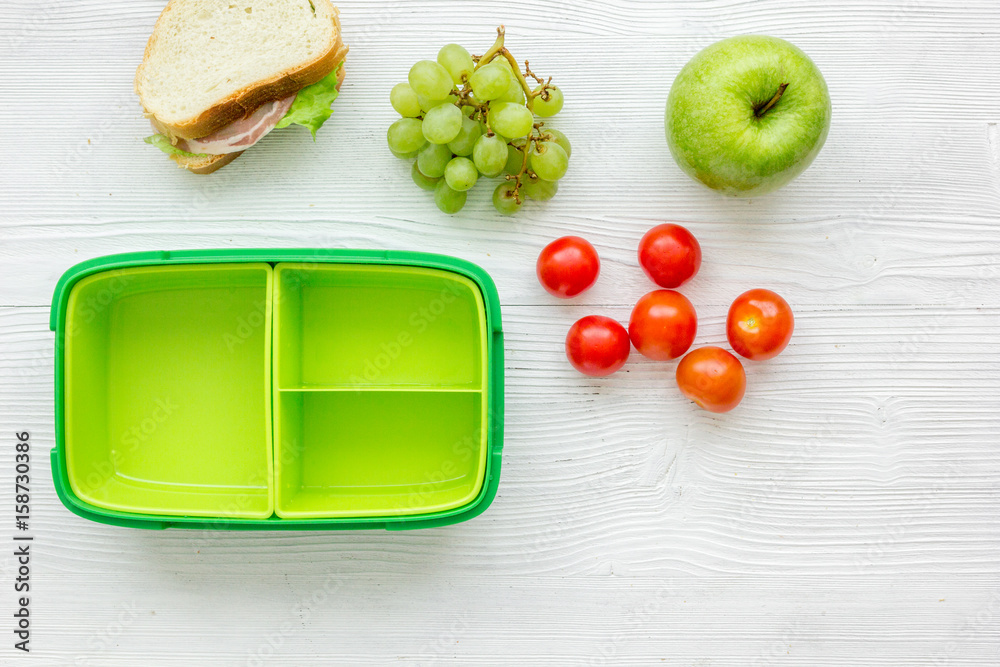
x=492 y=392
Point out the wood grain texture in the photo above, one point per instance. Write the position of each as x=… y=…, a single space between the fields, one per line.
x=848 y=513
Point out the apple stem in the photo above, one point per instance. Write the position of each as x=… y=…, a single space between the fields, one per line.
x=761 y=110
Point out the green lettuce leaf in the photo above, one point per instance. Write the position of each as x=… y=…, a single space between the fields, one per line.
x=163 y=143
x=311 y=107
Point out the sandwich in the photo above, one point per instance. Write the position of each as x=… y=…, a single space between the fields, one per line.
x=218 y=75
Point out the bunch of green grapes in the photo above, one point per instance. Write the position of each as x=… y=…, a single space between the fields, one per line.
x=465 y=117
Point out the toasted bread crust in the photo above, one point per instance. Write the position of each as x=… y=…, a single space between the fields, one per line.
x=204 y=165
x=245 y=101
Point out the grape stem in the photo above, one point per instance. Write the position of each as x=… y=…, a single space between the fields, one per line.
x=536 y=135
x=498 y=49
x=482 y=108
x=495 y=49
x=543 y=92
x=524 y=170
x=528 y=72
x=516 y=67
x=484 y=112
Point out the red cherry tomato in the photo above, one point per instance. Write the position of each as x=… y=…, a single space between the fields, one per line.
x=568 y=266
x=759 y=324
x=663 y=325
x=670 y=255
x=597 y=345
x=713 y=378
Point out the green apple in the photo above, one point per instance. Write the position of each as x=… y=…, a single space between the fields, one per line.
x=747 y=115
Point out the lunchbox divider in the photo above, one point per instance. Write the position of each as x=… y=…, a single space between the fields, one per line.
x=269 y=383
x=388 y=388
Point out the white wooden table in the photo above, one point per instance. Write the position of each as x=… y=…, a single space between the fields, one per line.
x=847 y=513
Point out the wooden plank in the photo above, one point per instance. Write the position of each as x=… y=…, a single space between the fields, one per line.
x=434 y=617
x=102 y=21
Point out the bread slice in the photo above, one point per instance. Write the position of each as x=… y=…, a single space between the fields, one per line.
x=211 y=62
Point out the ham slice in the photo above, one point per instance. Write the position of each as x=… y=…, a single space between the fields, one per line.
x=241 y=134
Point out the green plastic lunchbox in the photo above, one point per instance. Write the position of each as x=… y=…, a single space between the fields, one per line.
x=277 y=389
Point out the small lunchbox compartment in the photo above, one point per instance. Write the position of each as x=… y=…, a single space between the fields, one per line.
x=358 y=453
x=356 y=325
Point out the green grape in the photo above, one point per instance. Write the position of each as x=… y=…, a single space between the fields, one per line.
x=551 y=106
x=422 y=181
x=514 y=93
x=448 y=200
x=457 y=61
x=442 y=123
x=405 y=136
x=548 y=160
x=539 y=190
x=510 y=120
x=432 y=159
x=490 y=81
x=404 y=100
x=560 y=139
x=404 y=156
x=427 y=105
x=467 y=137
x=515 y=159
x=489 y=155
x=430 y=80
x=461 y=174
x=504 y=200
